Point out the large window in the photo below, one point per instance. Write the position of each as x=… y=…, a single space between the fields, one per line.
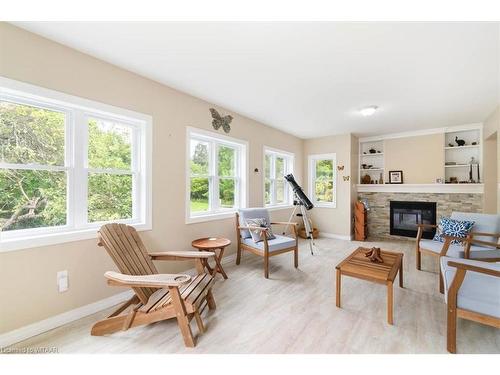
x=67 y=166
x=277 y=164
x=216 y=170
x=323 y=180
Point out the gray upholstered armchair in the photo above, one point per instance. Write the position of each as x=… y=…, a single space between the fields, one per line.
x=472 y=291
x=481 y=244
x=265 y=248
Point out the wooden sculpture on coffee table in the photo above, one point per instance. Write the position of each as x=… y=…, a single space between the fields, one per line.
x=374 y=255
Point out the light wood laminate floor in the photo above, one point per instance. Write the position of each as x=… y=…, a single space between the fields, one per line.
x=294 y=312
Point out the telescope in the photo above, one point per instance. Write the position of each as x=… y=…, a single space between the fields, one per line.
x=301 y=200
x=298 y=192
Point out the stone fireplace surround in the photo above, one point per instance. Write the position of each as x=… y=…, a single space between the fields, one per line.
x=446 y=203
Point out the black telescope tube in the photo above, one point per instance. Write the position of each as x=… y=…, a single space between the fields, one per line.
x=299 y=193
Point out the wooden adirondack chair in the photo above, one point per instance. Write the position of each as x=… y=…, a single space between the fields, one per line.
x=157 y=296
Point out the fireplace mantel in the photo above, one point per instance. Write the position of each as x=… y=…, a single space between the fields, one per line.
x=422 y=188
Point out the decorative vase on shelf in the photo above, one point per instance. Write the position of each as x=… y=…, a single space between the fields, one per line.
x=381 y=179
x=372 y=151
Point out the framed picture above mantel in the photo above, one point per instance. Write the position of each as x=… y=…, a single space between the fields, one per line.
x=395 y=177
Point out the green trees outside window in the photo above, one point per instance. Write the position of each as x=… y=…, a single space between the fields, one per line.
x=276 y=166
x=213 y=175
x=31 y=136
x=34 y=170
x=324 y=177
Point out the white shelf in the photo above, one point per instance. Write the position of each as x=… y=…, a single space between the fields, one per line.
x=376 y=159
x=458 y=165
x=461 y=147
x=422 y=188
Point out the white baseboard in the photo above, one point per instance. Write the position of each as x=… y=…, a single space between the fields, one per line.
x=336 y=236
x=229 y=259
x=42 y=326
x=34 y=329
x=23 y=333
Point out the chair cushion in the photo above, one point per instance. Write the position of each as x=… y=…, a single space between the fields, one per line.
x=279 y=243
x=257 y=234
x=486 y=223
x=452 y=227
x=251 y=213
x=479 y=293
x=458 y=251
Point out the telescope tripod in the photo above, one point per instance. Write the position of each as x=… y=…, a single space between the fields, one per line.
x=307 y=222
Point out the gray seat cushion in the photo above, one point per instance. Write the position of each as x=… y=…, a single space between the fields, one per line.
x=251 y=213
x=486 y=223
x=436 y=246
x=458 y=251
x=279 y=243
x=479 y=293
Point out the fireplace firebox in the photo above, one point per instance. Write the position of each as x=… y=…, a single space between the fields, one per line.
x=405 y=216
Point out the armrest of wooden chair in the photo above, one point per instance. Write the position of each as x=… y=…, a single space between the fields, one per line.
x=497 y=235
x=488 y=268
x=420 y=230
x=200 y=258
x=472 y=241
x=181 y=255
x=263 y=229
x=287 y=223
x=161 y=280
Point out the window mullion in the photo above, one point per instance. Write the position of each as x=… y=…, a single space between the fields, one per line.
x=273 y=179
x=214 y=181
x=80 y=172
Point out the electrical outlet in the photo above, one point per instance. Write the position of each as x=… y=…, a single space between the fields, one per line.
x=62 y=281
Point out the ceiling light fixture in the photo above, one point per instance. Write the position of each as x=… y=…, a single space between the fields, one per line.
x=368 y=111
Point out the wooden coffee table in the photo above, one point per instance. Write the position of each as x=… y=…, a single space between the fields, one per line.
x=213 y=244
x=359 y=266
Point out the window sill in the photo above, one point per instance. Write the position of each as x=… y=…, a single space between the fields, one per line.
x=280 y=207
x=211 y=217
x=324 y=205
x=54 y=238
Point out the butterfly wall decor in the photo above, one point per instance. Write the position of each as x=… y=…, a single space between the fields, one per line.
x=346 y=178
x=340 y=167
x=219 y=121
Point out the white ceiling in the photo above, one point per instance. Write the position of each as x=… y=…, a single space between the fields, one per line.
x=310 y=79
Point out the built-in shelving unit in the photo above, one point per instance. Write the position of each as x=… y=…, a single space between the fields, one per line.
x=456 y=163
x=371 y=163
x=460 y=161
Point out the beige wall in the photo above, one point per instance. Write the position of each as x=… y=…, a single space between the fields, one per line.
x=421 y=158
x=492 y=130
x=334 y=220
x=28 y=277
x=492 y=123
x=490 y=174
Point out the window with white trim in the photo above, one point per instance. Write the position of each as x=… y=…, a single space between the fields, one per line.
x=277 y=164
x=216 y=170
x=68 y=167
x=323 y=180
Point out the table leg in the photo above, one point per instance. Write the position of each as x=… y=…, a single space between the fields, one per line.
x=401 y=273
x=218 y=267
x=390 y=299
x=207 y=265
x=337 y=288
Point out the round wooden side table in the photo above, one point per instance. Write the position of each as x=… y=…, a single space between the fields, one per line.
x=213 y=244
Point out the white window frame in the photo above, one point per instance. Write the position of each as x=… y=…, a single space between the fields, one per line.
x=77 y=111
x=241 y=175
x=289 y=159
x=312 y=179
